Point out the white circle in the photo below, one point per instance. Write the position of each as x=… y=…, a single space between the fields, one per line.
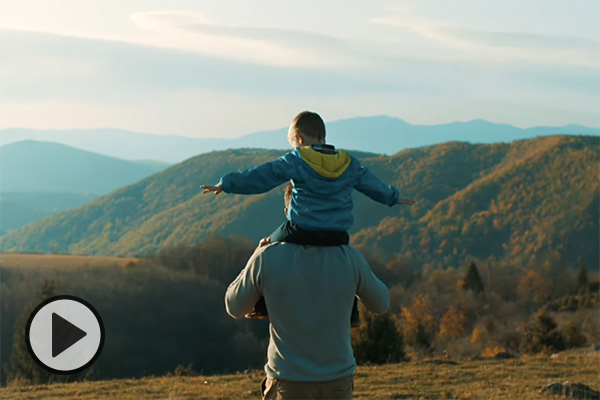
x=75 y=356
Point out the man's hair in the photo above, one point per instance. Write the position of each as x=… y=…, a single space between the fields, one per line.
x=310 y=124
x=287 y=197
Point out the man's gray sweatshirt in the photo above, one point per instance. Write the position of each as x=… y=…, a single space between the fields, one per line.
x=309 y=291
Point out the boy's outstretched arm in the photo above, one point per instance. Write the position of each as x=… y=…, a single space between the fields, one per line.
x=370 y=185
x=255 y=180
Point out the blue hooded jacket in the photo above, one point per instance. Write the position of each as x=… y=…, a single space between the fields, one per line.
x=323 y=180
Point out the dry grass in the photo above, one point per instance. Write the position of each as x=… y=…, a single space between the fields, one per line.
x=58 y=261
x=490 y=380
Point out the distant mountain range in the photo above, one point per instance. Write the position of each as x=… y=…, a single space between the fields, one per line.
x=376 y=134
x=40 y=166
x=38 y=179
x=522 y=202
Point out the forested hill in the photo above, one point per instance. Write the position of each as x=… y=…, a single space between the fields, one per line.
x=520 y=201
x=526 y=202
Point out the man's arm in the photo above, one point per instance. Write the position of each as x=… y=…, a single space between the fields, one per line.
x=371 y=291
x=259 y=179
x=370 y=185
x=243 y=293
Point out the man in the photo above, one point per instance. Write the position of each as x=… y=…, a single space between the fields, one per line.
x=309 y=291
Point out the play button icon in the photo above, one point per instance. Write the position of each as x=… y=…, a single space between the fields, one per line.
x=64 y=334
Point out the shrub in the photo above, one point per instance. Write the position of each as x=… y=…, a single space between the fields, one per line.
x=377 y=341
x=542 y=335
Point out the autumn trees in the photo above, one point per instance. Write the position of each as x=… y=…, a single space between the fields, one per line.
x=493 y=309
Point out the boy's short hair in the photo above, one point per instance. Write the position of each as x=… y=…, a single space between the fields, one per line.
x=308 y=123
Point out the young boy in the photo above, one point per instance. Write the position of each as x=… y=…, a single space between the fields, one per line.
x=323 y=178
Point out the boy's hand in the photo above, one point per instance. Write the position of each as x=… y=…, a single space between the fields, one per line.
x=407 y=202
x=264 y=241
x=210 y=188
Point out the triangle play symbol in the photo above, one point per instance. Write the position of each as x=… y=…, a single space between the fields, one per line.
x=64 y=334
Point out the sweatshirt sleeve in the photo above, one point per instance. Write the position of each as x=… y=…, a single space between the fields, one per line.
x=371 y=290
x=243 y=293
x=370 y=185
x=259 y=179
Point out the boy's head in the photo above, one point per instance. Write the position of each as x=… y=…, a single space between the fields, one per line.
x=306 y=129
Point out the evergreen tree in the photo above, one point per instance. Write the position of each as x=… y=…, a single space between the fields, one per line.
x=22 y=368
x=473 y=279
x=377 y=340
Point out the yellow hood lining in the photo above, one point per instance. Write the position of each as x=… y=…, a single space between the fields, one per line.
x=328 y=165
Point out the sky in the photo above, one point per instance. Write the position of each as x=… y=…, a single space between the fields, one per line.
x=227 y=68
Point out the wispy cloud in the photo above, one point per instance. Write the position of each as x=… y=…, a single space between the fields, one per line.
x=89 y=68
x=193 y=31
x=97 y=71
x=495 y=46
x=168 y=19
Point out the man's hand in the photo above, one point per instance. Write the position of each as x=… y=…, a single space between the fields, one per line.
x=407 y=202
x=210 y=188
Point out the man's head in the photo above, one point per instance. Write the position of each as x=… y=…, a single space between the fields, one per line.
x=306 y=129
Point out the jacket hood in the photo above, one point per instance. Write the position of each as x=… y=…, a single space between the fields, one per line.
x=327 y=165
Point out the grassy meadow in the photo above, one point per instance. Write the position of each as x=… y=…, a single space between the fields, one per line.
x=521 y=378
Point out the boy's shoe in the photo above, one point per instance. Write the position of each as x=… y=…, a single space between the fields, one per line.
x=254 y=315
x=259 y=311
x=355 y=317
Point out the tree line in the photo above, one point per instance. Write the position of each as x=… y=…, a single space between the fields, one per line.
x=165 y=314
